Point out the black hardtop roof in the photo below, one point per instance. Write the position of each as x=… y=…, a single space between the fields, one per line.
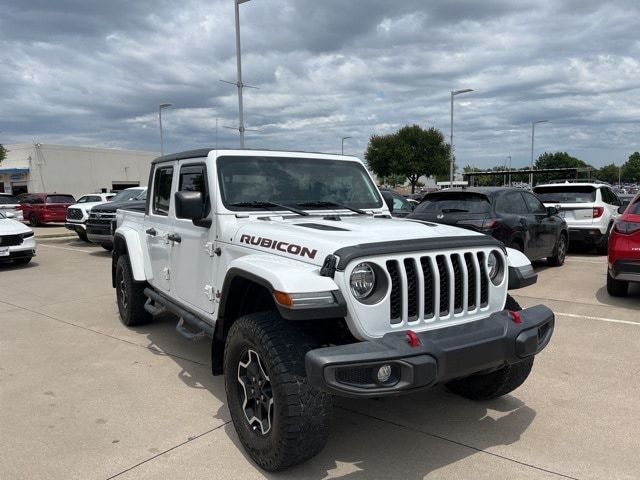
x=203 y=152
x=488 y=191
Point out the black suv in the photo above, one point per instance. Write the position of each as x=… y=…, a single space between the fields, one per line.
x=515 y=217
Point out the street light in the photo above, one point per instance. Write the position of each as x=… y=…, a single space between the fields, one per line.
x=453 y=94
x=509 y=157
x=533 y=134
x=160 y=107
x=343 y=139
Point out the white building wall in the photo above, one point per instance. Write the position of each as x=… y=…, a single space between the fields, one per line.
x=75 y=170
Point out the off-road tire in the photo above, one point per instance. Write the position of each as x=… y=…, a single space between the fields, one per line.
x=131 y=305
x=301 y=413
x=497 y=383
x=33 y=220
x=22 y=261
x=558 y=258
x=616 y=288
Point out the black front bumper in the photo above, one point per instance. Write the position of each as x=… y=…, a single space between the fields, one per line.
x=441 y=355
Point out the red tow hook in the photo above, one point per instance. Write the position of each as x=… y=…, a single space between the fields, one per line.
x=515 y=316
x=412 y=338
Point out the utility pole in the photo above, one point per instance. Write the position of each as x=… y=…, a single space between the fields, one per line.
x=451 y=166
x=533 y=134
x=343 y=139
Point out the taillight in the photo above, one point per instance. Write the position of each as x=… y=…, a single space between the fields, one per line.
x=622 y=226
x=597 y=212
x=481 y=224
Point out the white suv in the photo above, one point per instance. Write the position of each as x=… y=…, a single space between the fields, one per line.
x=588 y=207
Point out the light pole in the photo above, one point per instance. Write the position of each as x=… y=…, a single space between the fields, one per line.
x=451 y=169
x=533 y=135
x=343 y=139
x=160 y=107
x=239 y=63
x=509 y=157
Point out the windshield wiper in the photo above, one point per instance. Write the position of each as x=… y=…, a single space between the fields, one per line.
x=268 y=205
x=321 y=203
x=452 y=210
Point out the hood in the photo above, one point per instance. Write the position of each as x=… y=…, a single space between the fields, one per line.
x=9 y=226
x=86 y=206
x=111 y=207
x=312 y=238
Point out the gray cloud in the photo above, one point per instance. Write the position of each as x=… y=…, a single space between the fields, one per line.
x=93 y=73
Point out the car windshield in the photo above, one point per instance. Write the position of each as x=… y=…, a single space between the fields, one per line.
x=142 y=195
x=125 y=195
x=463 y=202
x=8 y=200
x=311 y=183
x=566 y=194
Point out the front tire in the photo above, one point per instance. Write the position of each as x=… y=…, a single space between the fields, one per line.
x=280 y=419
x=616 y=288
x=33 y=220
x=497 y=383
x=560 y=252
x=82 y=236
x=130 y=295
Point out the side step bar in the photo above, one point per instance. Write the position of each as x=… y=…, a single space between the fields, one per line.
x=162 y=303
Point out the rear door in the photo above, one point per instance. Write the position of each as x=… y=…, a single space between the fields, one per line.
x=611 y=201
x=192 y=258
x=575 y=202
x=158 y=225
x=512 y=207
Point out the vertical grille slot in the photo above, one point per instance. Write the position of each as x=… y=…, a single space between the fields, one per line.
x=444 y=284
x=412 y=289
x=425 y=263
x=484 y=281
x=471 y=279
x=396 y=292
x=457 y=283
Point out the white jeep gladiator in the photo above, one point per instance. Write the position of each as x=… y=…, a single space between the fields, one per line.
x=309 y=288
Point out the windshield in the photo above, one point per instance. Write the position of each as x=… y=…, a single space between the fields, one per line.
x=142 y=195
x=2 y=214
x=566 y=194
x=295 y=181
x=454 y=202
x=7 y=200
x=125 y=195
x=60 y=199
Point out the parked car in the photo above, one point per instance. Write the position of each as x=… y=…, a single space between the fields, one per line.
x=78 y=213
x=512 y=215
x=98 y=225
x=589 y=208
x=40 y=208
x=624 y=250
x=398 y=205
x=9 y=204
x=17 y=242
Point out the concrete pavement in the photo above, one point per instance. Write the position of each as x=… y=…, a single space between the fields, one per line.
x=81 y=396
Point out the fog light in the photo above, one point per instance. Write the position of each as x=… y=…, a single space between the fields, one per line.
x=384 y=373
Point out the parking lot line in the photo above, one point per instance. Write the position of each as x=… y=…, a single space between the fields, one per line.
x=71 y=249
x=601 y=319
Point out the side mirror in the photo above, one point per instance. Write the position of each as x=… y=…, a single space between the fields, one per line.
x=389 y=202
x=552 y=211
x=189 y=205
x=622 y=209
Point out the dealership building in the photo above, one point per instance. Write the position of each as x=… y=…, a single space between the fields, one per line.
x=74 y=170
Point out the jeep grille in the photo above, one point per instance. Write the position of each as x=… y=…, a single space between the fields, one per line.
x=427 y=288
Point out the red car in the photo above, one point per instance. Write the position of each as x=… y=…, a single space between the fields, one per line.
x=40 y=208
x=624 y=250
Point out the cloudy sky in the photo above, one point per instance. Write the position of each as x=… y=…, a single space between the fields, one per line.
x=92 y=72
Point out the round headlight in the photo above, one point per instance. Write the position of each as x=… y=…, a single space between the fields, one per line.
x=362 y=280
x=495 y=267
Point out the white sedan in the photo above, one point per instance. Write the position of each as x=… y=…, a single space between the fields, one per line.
x=17 y=242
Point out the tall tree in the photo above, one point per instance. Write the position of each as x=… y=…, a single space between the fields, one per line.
x=558 y=160
x=608 y=173
x=3 y=153
x=412 y=152
x=631 y=169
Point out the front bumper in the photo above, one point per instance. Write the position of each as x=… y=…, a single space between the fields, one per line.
x=15 y=253
x=100 y=234
x=76 y=227
x=625 y=270
x=440 y=356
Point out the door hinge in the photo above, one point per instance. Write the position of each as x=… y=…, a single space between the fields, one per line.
x=167 y=273
x=208 y=291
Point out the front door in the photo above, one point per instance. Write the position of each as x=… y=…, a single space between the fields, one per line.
x=158 y=226
x=548 y=225
x=193 y=258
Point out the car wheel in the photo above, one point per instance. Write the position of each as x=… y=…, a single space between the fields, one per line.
x=616 y=288
x=603 y=246
x=280 y=419
x=22 y=261
x=560 y=252
x=130 y=295
x=497 y=383
x=33 y=220
x=83 y=236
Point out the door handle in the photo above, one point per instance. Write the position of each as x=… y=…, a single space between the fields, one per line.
x=174 y=237
x=151 y=231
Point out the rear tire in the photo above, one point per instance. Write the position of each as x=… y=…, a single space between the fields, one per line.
x=560 y=252
x=616 y=288
x=33 y=220
x=497 y=383
x=603 y=247
x=130 y=295
x=280 y=419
